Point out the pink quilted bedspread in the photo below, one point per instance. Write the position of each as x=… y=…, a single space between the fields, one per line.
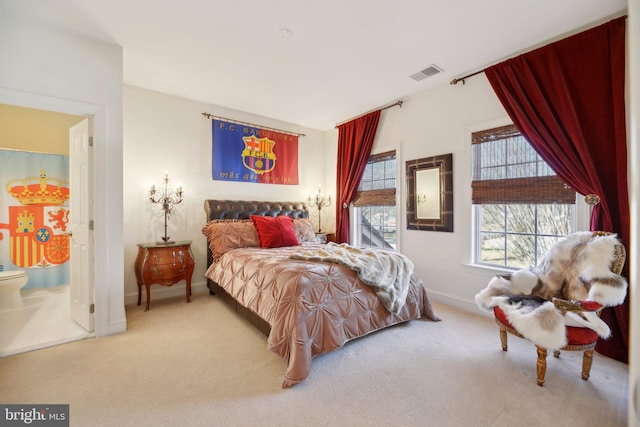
x=312 y=307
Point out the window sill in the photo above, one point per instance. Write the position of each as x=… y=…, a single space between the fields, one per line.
x=486 y=270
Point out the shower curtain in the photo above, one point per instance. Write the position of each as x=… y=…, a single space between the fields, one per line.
x=34 y=215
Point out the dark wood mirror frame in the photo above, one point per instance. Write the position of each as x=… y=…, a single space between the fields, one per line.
x=444 y=219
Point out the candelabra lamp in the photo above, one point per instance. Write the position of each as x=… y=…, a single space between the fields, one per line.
x=166 y=198
x=319 y=201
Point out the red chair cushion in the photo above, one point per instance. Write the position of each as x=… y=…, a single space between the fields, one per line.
x=501 y=316
x=580 y=336
x=591 y=305
x=575 y=335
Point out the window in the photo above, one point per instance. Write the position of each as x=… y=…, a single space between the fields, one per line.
x=521 y=206
x=375 y=210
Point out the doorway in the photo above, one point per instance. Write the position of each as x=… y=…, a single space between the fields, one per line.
x=45 y=317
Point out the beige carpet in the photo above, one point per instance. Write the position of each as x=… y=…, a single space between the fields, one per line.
x=199 y=364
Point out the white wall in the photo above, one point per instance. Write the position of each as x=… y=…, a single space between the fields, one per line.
x=163 y=132
x=50 y=69
x=439 y=121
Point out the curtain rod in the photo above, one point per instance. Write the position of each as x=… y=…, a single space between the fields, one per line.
x=462 y=79
x=544 y=43
x=397 y=103
x=211 y=116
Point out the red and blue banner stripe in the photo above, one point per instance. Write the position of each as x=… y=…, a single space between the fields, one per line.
x=251 y=154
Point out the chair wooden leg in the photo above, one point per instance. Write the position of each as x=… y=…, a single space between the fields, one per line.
x=587 y=359
x=541 y=364
x=503 y=339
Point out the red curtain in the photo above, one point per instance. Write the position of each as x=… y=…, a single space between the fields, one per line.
x=355 y=140
x=567 y=99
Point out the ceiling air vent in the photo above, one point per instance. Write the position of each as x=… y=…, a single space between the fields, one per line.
x=431 y=70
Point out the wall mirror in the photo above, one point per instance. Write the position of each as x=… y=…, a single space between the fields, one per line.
x=430 y=193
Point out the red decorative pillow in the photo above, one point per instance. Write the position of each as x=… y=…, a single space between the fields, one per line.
x=275 y=232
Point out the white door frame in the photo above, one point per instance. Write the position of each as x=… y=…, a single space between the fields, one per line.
x=97 y=114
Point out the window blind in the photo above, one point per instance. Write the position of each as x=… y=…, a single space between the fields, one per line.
x=378 y=184
x=507 y=170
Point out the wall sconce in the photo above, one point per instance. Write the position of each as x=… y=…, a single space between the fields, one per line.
x=167 y=199
x=319 y=201
x=422 y=197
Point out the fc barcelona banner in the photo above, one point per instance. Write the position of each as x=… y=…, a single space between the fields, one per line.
x=250 y=154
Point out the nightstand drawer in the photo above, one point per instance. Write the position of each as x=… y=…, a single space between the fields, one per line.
x=168 y=256
x=167 y=272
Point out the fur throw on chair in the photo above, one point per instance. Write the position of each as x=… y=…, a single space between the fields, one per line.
x=577 y=267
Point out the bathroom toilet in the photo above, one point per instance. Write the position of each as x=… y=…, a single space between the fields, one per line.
x=10 y=284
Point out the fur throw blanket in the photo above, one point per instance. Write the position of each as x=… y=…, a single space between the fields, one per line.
x=387 y=272
x=577 y=267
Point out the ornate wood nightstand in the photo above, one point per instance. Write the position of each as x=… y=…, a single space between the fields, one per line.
x=163 y=264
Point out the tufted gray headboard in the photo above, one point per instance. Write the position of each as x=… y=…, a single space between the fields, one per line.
x=241 y=209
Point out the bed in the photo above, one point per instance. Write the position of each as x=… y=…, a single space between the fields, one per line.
x=306 y=308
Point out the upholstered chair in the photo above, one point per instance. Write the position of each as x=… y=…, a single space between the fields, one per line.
x=577 y=336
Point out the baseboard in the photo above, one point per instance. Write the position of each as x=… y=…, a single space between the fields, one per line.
x=457 y=302
x=161 y=292
x=118 y=327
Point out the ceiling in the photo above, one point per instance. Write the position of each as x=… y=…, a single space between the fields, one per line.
x=312 y=63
